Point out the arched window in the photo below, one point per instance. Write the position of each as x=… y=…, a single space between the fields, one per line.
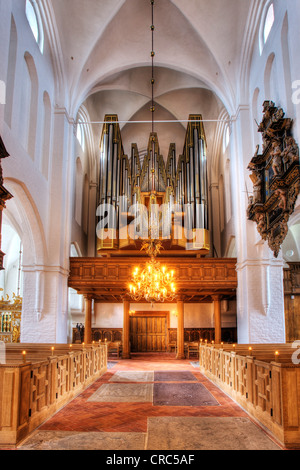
x=78 y=191
x=34 y=20
x=268 y=19
x=11 y=278
x=80 y=134
x=226 y=138
x=269 y=22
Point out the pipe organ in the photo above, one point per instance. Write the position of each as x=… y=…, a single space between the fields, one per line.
x=153 y=198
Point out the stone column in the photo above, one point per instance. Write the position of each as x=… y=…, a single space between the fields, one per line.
x=217 y=316
x=260 y=294
x=88 y=319
x=126 y=330
x=180 y=329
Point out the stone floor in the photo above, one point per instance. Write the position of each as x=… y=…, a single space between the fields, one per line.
x=151 y=402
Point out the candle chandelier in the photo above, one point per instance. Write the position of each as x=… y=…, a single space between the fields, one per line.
x=153 y=283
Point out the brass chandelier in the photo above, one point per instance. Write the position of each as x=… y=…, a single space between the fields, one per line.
x=153 y=282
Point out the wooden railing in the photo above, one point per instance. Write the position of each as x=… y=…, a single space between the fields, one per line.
x=264 y=383
x=34 y=386
x=106 y=279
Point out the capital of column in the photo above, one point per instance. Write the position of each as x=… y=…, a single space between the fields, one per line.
x=88 y=297
x=216 y=297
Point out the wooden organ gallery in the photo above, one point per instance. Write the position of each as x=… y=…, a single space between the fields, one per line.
x=165 y=202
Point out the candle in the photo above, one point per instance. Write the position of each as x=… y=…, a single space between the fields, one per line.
x=276 y=355
x=24 y=356
x=70 y=346
x=250 y=351
x=52 y=349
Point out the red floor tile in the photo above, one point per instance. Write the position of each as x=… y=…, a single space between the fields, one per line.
x=83 y=416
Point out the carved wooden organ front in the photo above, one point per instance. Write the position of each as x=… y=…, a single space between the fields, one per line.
x=166 y=194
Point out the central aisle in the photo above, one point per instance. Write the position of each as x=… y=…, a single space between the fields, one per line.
x=151 y=402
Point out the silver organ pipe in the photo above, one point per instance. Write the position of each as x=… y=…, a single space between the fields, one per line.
x=123 y=182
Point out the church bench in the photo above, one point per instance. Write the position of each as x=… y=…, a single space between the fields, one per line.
x=265 y=385
x=192 y=349
x=114 y=348
x=34 y=388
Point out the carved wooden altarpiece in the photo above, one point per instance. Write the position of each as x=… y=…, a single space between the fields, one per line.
x=275 y=177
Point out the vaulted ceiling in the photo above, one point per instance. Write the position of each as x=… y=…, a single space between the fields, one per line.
x=107 y=65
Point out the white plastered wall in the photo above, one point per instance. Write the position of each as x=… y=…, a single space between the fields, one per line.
x=40 y=182
x=260 y=302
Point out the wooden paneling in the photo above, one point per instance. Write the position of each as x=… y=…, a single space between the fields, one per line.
x=98 y=334
x=292 y=317
x=149 y=332
x=107 y=279
x=291 y=276
x=9 y=381
x=229 y=335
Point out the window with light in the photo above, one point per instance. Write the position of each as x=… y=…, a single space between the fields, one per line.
x=34 y=21
x=269 y=22
x=80 y=134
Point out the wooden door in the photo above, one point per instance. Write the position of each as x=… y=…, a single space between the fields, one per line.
x=148 y=333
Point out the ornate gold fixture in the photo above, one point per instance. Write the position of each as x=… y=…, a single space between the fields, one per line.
x=10 y=318
x=275 y=174
x=154 y=283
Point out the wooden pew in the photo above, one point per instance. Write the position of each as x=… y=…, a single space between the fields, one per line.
x=114 y=348
x=35 y=386
x=192 y=349
x=265 y=384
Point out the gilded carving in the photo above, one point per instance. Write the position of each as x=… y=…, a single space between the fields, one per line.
x=275 y=175
x=10 y=318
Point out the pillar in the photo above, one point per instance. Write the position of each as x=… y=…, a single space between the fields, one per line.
x=88 y=319
x=180 y=329
x=217 y=316
x=126 y=330
x=260 y=294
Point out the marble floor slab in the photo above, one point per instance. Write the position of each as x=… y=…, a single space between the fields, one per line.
x=63 y=440
x=182 y=394
x=193 y=433
x=132 y=376
x=123 y=393
x=173 y=376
